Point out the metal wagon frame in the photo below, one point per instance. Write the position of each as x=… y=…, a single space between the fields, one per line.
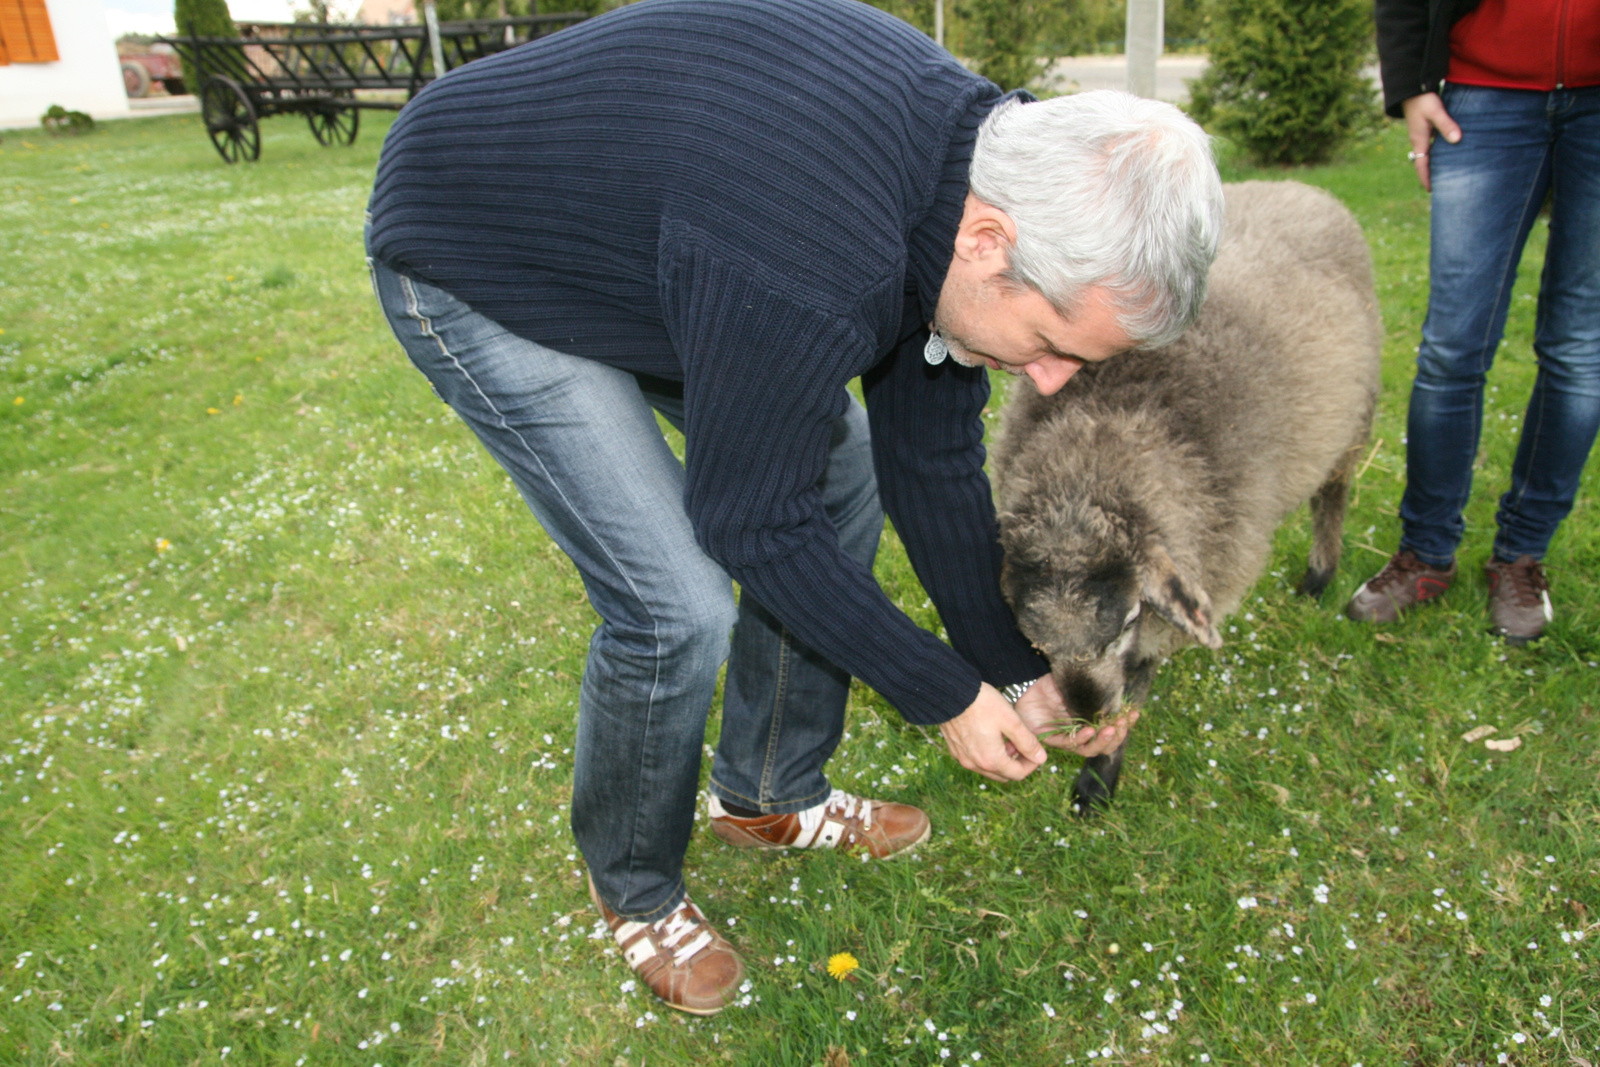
x=319 y=69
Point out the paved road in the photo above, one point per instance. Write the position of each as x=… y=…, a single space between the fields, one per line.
x=1076 y=73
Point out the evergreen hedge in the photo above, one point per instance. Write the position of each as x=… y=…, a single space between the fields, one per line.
x=201 y=18
x=1285 y=78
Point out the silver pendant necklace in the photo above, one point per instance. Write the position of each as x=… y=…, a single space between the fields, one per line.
x=935 y=351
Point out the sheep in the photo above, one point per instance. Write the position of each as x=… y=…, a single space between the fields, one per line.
x=1137 y=505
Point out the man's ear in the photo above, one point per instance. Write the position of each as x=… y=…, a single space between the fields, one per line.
x=1179 y=599
x=985 y=235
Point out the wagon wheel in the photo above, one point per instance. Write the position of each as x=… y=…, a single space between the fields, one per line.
x=334 y=124
x=230 y=120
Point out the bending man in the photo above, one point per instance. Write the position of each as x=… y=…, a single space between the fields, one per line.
x=724 y=211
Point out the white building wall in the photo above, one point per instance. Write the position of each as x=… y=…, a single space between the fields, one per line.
x=87 y=77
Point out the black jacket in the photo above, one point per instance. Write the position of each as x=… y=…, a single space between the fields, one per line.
x=1414 y=46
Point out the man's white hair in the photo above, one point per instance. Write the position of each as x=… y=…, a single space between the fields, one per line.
x=1106 y=189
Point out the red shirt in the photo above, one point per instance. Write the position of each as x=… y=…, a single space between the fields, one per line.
x=1527 y=44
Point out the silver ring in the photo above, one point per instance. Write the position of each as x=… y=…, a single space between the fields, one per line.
x=1414 y=156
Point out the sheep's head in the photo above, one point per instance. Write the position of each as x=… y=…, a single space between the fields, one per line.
x=1084 y=583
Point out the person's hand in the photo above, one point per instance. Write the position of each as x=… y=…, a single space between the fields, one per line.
x=990 y=739
x=1044 y=711
x=1424 y=115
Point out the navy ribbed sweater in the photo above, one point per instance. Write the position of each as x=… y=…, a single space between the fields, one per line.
x=758 y=198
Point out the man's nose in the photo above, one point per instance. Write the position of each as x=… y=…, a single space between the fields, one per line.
x=1050 y=373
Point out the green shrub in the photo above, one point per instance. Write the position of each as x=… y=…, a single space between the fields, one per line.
x=1285 y=80
x=201 y=18
x=1002 y=40
x=59 y=120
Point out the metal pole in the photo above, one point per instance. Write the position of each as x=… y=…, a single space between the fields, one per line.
x=430 y=14
x=938 y=22
x=1142 y=45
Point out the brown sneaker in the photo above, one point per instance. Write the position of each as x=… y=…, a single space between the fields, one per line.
x=681 y=958
x=842 y=822
x=1519 y=599
x=1404 y=582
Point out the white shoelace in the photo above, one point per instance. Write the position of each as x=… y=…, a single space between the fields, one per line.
x=676 y=927
x=839 y=801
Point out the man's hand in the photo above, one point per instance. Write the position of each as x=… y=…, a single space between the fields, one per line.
x=990 y=739
x=1042 y=708
x=1425 y=114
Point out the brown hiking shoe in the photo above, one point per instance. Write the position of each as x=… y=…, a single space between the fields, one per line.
x=1519 y=599
x=681 y=957
x=842 y=822
x=1404 y=582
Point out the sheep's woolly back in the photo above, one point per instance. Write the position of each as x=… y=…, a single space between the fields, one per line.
x=1206 y=445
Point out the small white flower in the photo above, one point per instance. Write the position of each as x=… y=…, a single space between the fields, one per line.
x=1519 y=1037
x=1110 y=996
x=1049 y=1012
x=363 y=994
x=1311 y=998
x=1246 y=903
x=850 y=1016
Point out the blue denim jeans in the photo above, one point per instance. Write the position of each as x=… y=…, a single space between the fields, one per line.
x=581 y=442
x=1517 y=147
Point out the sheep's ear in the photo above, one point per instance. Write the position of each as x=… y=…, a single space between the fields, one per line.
x=1179 y=599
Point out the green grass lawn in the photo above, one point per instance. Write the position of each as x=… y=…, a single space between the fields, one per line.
x=288 y=680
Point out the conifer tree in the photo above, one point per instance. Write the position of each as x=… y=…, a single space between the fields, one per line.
x=1285 y=79
x=201 y=18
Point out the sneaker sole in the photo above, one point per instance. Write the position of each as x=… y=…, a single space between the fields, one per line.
x=744 y=840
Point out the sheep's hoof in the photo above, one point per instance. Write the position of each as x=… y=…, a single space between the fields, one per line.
x=1315 y=582
x=1091 y=795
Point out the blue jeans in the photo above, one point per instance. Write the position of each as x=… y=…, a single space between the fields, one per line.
x=1516 y=147
x=581 y=442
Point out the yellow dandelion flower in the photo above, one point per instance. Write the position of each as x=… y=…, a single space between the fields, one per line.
x=238 y=399
x=840 y=965
x=162 y=544
x=18 y=402
x=213 y=411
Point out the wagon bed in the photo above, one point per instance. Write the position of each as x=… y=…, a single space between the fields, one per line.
x=331 y=73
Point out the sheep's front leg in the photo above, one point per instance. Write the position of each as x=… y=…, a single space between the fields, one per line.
x=1097 y=782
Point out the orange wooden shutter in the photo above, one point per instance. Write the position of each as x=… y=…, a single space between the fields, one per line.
x=25 y=32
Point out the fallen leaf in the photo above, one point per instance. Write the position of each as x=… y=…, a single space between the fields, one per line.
x=1505 y=744
x=1477 y=733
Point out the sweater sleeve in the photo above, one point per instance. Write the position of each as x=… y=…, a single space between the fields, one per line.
x=927 y=442
x=765 y=379
x=1402 y=27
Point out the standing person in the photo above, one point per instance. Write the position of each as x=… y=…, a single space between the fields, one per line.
x=723 y=211
x=1515 y=120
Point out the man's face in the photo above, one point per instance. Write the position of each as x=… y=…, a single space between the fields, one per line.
x=991 y=322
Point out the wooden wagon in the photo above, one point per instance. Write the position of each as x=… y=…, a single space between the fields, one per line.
x=331 y=73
